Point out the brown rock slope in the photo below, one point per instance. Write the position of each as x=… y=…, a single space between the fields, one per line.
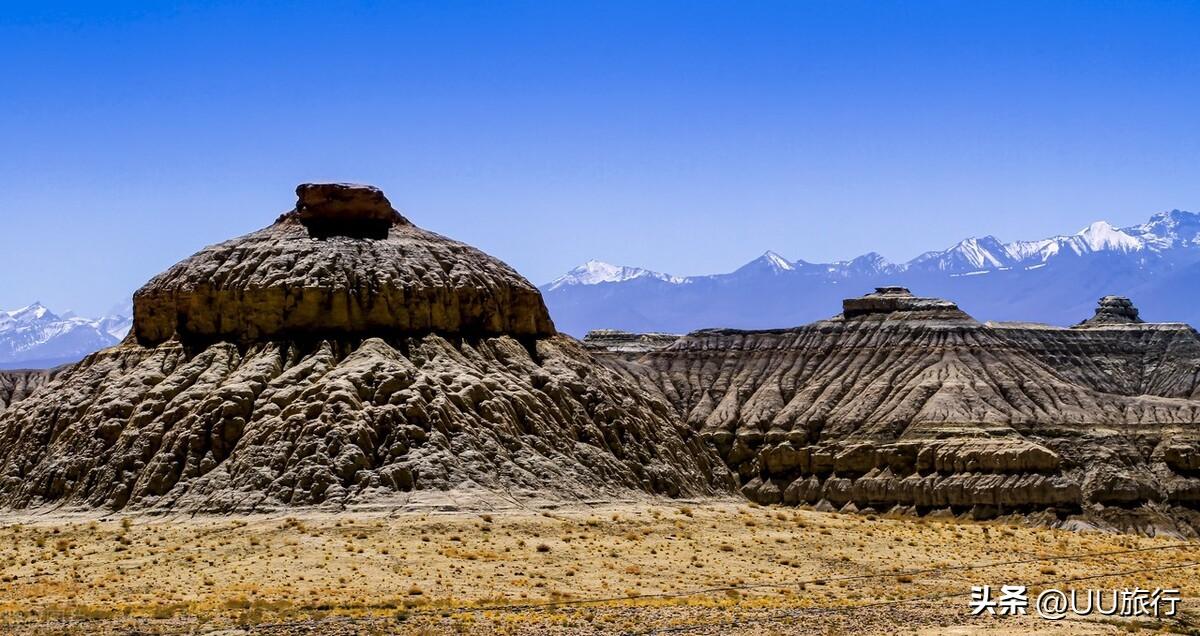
x=341 y=356
x=329 y=268
x=909 y=402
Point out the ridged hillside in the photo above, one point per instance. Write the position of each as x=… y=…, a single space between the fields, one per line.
x=909 y=402
x=341 y=356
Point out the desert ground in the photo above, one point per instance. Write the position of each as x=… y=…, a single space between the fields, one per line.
x=642 y=567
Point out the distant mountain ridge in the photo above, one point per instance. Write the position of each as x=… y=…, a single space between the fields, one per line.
x=1055 y=280
x=35 y=337
x=593 y=272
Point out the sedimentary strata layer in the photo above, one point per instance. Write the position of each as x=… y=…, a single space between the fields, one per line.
x=1153 y=359
x=617 y=341
x=342 y=264
x=911 y=403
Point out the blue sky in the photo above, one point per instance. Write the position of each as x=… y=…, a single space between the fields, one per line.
x=687 y=137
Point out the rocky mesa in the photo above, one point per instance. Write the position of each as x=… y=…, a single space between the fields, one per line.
x=339 y=357
x=907 y=403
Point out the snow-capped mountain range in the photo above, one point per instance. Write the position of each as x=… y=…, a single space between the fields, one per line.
x=1054 y=280
x=989 y=253
x=593 y=272
x=35 y=337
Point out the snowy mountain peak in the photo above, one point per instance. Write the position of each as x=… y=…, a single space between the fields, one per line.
x=778 y=261
x=867 y=264
x=30 y=313
x=971 y=254
x=35 y=336
x=1168 y=230
x=1172 y=217
x=595 y=272
x=981 y=253
x=1102 y=236
x=1165 y=230
x=769 y=263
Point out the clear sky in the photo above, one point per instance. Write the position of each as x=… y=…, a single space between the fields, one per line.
x=687 y=137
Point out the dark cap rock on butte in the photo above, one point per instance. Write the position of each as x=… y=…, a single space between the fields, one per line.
x=331 y=209
x=343 y=262
x=1113 y=310
x=342 y=201
x=894 y=299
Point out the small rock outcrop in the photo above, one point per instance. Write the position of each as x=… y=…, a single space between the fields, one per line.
x=341 y=357
x=1114 y=310
x=617 y=341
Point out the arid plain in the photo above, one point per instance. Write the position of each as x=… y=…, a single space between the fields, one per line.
x=638 y=567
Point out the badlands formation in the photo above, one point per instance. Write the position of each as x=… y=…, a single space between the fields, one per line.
x=345 y=358
x=340 y=357
x=17 y=385
x=908 y=404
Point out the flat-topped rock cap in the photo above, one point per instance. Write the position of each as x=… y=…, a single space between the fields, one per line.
x=342 y=263
x=891 y=290
x=342 y=201
x=893 y=299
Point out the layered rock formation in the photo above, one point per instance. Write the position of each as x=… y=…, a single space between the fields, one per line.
x=344 y=356
x=909 y=403
x=617 y=341
x=341 y=356
x=1130 y=359
x=339 y=265
x=18 y=385
x=1113 y=310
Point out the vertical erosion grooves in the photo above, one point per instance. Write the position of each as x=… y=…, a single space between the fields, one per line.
x=341 y=355
x=942 y=414
x=336 y=423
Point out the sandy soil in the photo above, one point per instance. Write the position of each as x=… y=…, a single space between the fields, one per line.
x=697 y=568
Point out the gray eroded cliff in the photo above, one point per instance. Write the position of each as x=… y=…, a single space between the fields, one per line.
x=907 y=402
